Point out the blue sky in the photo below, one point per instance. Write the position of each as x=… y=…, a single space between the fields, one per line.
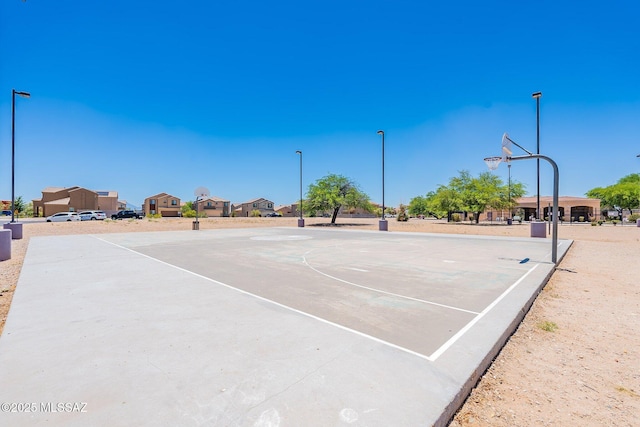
x=156 y=96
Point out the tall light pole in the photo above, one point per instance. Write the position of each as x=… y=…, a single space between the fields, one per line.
x=301 y=219
x=509 y=167
x=537 y=96
x=382 y=225
x=13 y=147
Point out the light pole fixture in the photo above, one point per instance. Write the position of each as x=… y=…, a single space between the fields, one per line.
x=13 y=147
x=382 y=224
x=301 y=219
x=493 y=162
x=536 y=96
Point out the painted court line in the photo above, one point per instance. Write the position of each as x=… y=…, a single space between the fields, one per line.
x=433 y=357
x=304 y=260
x=286 y=307
x=476 y=319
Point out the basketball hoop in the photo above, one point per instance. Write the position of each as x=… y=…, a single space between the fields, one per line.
x=493 y=162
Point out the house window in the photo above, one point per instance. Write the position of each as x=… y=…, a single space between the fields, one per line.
x=255 y=205
x=270 y=205
x=152 y=201
x=209 y=204
x=174 y=202
x=226 y=204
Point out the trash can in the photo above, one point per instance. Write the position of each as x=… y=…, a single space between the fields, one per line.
x=196 y=225
x=638 y=222
x=509 y=221
x=5 y=244
x=539 y=229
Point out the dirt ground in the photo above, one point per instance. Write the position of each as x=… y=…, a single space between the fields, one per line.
x=574 y=360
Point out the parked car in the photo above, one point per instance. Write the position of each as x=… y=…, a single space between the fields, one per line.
x=92 y=215
x=6 y=212
x=273 y=215
x=125 y=214
x=64 y=216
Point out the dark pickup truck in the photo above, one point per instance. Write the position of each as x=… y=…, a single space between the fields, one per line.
x=125 y=214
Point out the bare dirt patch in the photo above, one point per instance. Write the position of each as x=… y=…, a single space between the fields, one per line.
x=574 y=360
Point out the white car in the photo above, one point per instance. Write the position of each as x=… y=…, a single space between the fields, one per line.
x=64 y=216
x=92 y=215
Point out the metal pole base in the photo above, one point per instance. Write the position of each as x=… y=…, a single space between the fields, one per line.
x=383 y=225
x=196 y=225
x=300 y=222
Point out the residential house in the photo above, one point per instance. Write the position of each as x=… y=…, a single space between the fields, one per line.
x=163 y=204
x=260 y=204
x=74 y=199
x=288 y=210
x=214 y=206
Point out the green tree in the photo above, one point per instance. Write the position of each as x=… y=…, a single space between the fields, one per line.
x=468 y=194
x=333 y=192
x=418 y=206
x=188 y=210
x=625 y=194
x=19 y=204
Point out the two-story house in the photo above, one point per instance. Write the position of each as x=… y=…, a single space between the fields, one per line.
x=74 y=199
x=214 y=206
x=262 y=205
x=163 y=204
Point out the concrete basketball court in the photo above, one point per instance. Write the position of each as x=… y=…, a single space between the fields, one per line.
x=260 y=327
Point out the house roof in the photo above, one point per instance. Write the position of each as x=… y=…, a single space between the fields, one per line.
x=161 y=195
x=257 y=200
x=560 y=199
x=214 y=199
x=107 y=193
x=64 y=201
x=55 y=189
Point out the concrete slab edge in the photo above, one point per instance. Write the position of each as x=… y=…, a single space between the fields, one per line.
x=458 y=400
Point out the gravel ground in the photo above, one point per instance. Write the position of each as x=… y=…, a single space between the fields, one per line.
x=574 y=360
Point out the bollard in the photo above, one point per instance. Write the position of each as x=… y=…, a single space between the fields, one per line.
x=16 y=228
x=196 y=225
x=538 y=229
x=5 y=244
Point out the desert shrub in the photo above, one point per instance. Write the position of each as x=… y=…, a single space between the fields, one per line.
x=255 y=213
x=402 y=213
x=634 y=217
x=455 y=217
x=580 y=219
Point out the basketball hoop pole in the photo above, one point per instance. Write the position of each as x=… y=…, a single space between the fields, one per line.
x=554 y=248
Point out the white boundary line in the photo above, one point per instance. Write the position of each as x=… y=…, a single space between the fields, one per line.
x=320 y=319
x=304 y=260
x=476 y=319
x=432 y=358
